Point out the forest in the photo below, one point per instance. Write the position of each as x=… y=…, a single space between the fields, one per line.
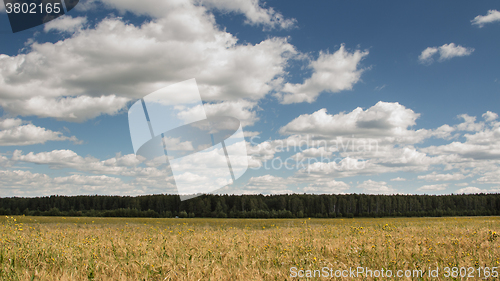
x=256 y=206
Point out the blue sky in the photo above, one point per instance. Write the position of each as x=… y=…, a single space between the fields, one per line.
x=419 y=80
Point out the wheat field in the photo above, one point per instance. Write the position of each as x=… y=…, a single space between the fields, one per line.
x=77 y=248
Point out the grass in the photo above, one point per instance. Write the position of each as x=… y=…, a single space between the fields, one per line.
x=68 y=248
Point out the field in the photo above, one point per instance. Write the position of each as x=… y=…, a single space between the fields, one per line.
x=71 y=248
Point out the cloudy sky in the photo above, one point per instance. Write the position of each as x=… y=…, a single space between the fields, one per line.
x=335 y=97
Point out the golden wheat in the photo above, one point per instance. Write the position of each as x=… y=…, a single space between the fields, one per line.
x=57 y=248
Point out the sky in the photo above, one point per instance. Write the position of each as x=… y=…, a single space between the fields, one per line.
x=334 y=97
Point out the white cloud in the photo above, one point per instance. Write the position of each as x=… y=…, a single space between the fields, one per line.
x=362 y=142
x=65 y=24
x=342 y=139
x=331 y=72
x=10 y=123
x=390 y=124
x=28 y=184
x=260 y=152
x=76 y=109
x=142 y=179
x=243 y=110
x=313 y=152
x=398 y=179
x=384 y=120
x=483 y=144
x=379 y=119
x=60 y=159
x=470 y=189
x=15 y=132
x=249 y=134
x=490 y=116
x=267 y=184
x=326 y=186
x=492 y=177
x=176 y=144
x=433 y=187
x=255 y=14
x=97 y=70
x=253 y=10
x=446 y=52
x=426 y=55
x=374 y=187
x=387 y=126
x=5 y=162
x=492 y=16
x=442 y=177
x=469 y=123
x=405 y=159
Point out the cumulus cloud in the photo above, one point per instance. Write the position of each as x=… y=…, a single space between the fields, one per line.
x=16 y=132
x=331 y=73
x=377 y=140
x=176 y=144
x=380 y=140
x=380 y=119
x=478 y=155
x=374 y=187
x=442 y=177
x=126 y=165
x=122 y=174
x=5 y=161
x=249 y=134
x=326 y=186
x=490 y=17
x=254 y=12
x=398 y=179
x=446 y=52
x=29 y=184
x=26 y=183
x=267 y=184
x=97 y=70
x=65 y=24
x=390 y=121
x=490 y=116
x=243 y=110
x=313 y=152
x=426 y=55
x=433 y=187
x=470 y=189
x=10 y=123
x=73 y=109
x=490 y=177
x=469 y=123
x=482 y=144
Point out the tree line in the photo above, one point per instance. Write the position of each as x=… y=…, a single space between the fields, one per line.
x=256 y=206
